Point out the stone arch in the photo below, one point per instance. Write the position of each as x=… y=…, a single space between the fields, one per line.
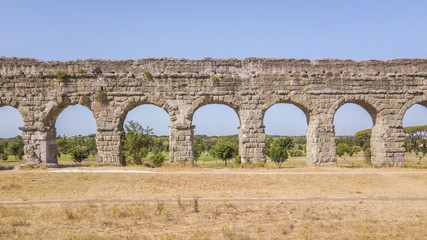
x=130 y=105
x=370 y=106
x=422 y=100
x=12 y=102
x=16 y=108
x=54 y=108
x=301 y=103
x=203 y=101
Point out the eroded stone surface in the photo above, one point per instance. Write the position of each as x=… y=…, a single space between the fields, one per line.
x=386 y=89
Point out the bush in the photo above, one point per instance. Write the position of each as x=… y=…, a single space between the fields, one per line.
x=342 y=148
x=137 y=141
x=157 y=159
x=81 y=71
x=61 y=75
x=101 y=97
x=367 y=155
x=278 y=155
x=238 y=160
x=147 y=74
x=298 y=153
x=79 y=153
x=214 y=77
x=85 y=101
x=225 y=150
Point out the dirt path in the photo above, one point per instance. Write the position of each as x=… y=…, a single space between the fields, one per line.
x=83 y=170
x=215 y=200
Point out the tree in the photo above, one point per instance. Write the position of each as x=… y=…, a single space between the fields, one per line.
x=284 y=142
x=356 y=149
x=3 y=154
x=363 y=138
x=278 y=155
x=137 y=141
x=225 y=150
x=342 y=148
x=79 y=153
x=16 y=147
x=198 y=149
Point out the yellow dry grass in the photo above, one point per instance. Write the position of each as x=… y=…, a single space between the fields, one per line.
x=230 y=204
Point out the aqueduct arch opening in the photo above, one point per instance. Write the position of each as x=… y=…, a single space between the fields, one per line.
x=180 y=86
x=295 y=123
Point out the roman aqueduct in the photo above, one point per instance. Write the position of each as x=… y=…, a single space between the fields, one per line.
x=40 y=90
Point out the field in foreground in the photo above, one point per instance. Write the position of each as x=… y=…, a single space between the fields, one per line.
x=304 y=203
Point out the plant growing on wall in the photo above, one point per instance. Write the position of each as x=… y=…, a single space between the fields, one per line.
x=101 y=97
x=214 y=78
x=62 y=75
x=147 y=74
x=85 y=101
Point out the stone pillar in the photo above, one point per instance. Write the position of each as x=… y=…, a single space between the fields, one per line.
x=40 y=145
x=109 y=133
x=320 y=149
x=109 y=145
x=251 y=136
x=181 y=142
x=387 y=144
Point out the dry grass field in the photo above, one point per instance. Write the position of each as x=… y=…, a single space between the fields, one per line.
x=199 y=203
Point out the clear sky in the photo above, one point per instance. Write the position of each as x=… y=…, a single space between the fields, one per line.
x=68 y=30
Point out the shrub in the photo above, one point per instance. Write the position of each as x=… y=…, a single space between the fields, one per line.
x=367 y=155
x=214 y=77
x=238 y=160
x=61 y=75
x=101 y=97
x=147 y=74
x=79 y=153
x=85 y=101
x=81 y=71
x=137 y=141
x=157 y=159
x=225 y=150
x=342 y=148
x=278 y=155
x=298 y=153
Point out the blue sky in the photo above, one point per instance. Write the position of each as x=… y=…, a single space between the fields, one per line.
x=68 y=30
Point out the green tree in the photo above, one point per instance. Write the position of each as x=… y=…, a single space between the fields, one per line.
x=16 y=147
x=137 y=141
x=284 y=142
x=363 y=138
x=63 y=145
x=198 y=149
x=225 y=150
x=278 y=155
x=79 y=153
x=356 y=149
x=342 y=148
x=3 y=154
